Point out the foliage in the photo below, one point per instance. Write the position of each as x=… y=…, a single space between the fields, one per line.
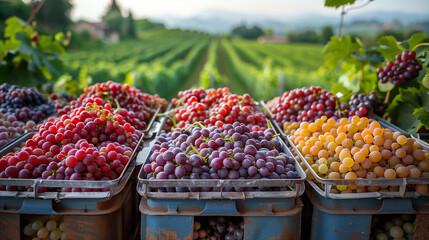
x=308 y=36
x=13 y=8
x=130 y=28
x=55 y=15
x=338 y=3
x=327 y=33
x=28 y=58
x=243 y=31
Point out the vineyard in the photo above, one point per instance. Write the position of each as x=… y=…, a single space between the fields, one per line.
x=164 y=61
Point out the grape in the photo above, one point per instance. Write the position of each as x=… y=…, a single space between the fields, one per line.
x=361 y=105
x=380 y=156
x=73 y=157
x=28 y=230
x=216 y=108
x=203 y=161
x=51 y=225
x=404 y=69
x=305 y=104
x=408 y=228
x=55 y=234
x=396 y=232
x=42 y=232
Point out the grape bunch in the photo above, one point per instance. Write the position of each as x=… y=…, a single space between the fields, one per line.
x=228 y=152
x=11 y=128
x=25 y=103
x=306 y=105
x=92 y=143
x=51 y=227
x=216 y=107
x=405 y=68
x=392 y=226
x=358 y=148
x=141 y=107
x=361 y=105
x=213 y=228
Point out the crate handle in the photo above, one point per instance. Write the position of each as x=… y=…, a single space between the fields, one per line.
x=390 y=205
x=172 y=208
x=31 y=205
x=224 y=207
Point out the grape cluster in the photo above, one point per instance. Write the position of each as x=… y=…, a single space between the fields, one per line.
x=228 y=152
x=213 y=228
x=51 y=227
x=11 y=128
x=357 y=148
x=392 y=227
x=92 y=143
x=306 y=105
x=216 y=107
x=360 y=105
x=405 y=68
x=25 y=103
x=141 y=107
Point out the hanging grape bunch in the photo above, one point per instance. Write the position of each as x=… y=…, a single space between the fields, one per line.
x=405 y=68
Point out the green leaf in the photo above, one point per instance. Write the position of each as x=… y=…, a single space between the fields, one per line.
x=389 y=47
x=338 y=49
x=423 y=116
x=416 y=39
x=425 y=80
x=420 y=50
x=385 y=87
x=338 y=3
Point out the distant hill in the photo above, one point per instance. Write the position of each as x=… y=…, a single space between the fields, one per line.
x=220 y=21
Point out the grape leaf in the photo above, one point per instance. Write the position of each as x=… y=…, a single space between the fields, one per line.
x=338 y=3
x=420 y=50
x=425 y=80
x=338 y=49
x=423 y=116
x=402 y=107
x=416 y=39
x=389 y=47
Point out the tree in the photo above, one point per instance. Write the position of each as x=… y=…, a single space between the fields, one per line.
x=131 y=26
x=113 y=18
x=247 y=33
x=327 y=33
x=268 y=32
x=13 y=8
x=55 y=14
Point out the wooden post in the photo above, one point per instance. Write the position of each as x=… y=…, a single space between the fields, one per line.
x=281 y=83
x=212 y=82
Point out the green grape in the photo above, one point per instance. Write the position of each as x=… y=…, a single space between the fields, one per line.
x=55 y=234
x=37 y=225
x=396 y=232
x=382 y=236
x=63 y=226
x=408 y=228
x=323 y=169
x=28 y=230
x=43 y=232
x=51 y=225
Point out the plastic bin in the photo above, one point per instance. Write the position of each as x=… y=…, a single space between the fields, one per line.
x=276 y=218
x=351 y=218
x=114 y=218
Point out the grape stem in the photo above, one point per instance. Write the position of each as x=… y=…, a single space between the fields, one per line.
x=386 y=100
x=197 y=152
x=268 y=124
x=419 y=45
x=196 y=123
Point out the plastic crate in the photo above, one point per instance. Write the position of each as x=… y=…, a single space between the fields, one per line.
x=276 y=218
x=114 y=218
x=351 y=218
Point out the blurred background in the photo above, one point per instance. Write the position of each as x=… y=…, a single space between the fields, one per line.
x=164 y=46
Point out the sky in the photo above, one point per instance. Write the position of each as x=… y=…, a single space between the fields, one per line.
x=92 y=10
